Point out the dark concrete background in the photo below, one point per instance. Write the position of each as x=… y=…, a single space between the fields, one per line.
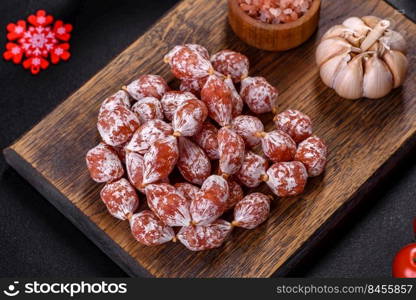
x=36 y=240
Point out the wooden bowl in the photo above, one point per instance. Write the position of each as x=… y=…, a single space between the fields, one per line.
x=273 y=37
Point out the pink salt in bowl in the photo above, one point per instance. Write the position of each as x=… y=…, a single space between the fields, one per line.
x=273 y=37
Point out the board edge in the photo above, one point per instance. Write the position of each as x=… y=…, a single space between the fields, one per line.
x=343 y=212
x=75 y=215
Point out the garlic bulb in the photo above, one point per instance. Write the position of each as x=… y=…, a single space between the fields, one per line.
x=362 y=57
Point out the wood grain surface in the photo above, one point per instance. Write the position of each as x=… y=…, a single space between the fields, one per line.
x=365 y=139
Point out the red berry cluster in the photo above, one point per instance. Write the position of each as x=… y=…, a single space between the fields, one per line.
x=166 y=129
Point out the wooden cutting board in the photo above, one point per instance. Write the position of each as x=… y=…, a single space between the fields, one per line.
x=365 y=139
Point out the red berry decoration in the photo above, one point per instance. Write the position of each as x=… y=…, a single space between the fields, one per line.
x=37 y=40
x=150 y=133
x=404 y=263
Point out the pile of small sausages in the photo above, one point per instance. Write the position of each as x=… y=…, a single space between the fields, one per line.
x=148 y=131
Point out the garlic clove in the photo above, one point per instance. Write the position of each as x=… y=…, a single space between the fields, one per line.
x=348 y=82
x=375 y=34
x=378 y=81
x=345 y=33
x=398 y=65
x=393 y=40
x=357 y=25
x=336 y=31
x=332 y=47
x=331 y=67
x=371 y=21
x=354 y=39
x=374 y=47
